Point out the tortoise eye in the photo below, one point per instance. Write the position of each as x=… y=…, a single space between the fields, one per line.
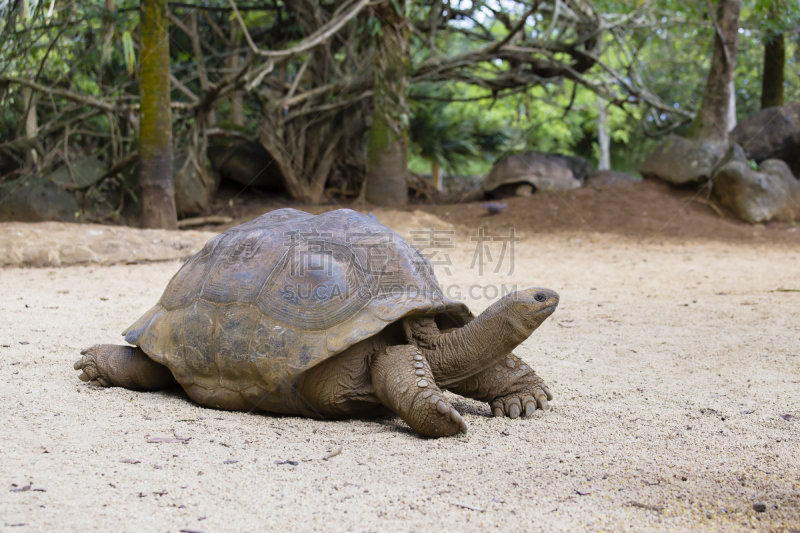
x=540 y=297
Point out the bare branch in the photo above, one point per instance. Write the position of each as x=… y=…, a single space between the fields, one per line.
x=514 y=31
x=183 y=88
x=312 y=41
x=330 y=107
x=82 y=99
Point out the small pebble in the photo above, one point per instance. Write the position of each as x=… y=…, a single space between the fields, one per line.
x=759 y=507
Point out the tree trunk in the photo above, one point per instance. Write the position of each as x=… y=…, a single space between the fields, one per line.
x=772 y=79
x=237 y=110
x=713 y=118
x=436 y=175
x=31 y=124
x=155 y=127
x=603 y=140
x=732 y=107
x=386 y=154
x=208 y=115
x=29 y=103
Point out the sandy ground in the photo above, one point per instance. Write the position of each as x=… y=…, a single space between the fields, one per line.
x=675 y=368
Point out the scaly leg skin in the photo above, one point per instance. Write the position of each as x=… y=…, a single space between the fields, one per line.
x=509 y=386
x=404 y=383
x=110 y=365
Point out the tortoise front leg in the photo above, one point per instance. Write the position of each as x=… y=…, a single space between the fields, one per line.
x=404 y=383
x=509 y=386
x=111 y=365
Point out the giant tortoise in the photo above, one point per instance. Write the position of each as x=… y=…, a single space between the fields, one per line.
x=327 y=316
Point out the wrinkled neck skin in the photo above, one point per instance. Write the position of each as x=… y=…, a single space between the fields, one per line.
x=462 y=352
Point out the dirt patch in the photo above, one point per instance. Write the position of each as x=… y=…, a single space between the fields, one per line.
x=647 y=211
x=675 y=369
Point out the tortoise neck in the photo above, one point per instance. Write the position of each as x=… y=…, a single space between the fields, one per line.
x=460 y=353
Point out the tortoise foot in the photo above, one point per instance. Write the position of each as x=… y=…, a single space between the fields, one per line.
x=110 y=365
x=525 y=398
x=404 y=383
x=88 y=363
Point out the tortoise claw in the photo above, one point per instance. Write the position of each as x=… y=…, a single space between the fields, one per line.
x=530 y=407
x=456 y=416
x=526 y=399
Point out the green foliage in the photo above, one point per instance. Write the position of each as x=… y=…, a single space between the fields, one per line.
x=453 y=135
x=128 y=53
x=65 y=49
x=771 y=16
x=672 y=61
x=81 y=48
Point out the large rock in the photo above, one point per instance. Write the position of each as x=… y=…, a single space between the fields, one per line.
x=772 y=133
x=195 y=184
x=36 y=199
x=682 y=161
x=513 y=173
x=80 y=173
x=608 y=177
x=772 y=193
x=246 y=163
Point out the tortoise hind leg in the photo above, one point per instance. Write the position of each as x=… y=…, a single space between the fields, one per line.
x=110 y=365
x=404 y=383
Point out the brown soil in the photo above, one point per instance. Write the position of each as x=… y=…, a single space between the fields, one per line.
x=646 y=211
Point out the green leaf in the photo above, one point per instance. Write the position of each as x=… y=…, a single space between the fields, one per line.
x=374 y=26
x=128 y=51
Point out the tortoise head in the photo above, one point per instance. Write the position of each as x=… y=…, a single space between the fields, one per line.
x=531 y=306
x=459 y=352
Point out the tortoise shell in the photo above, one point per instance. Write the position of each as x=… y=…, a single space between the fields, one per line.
x=267 y=300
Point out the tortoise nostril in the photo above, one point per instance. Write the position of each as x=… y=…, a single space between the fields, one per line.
x=540 y=297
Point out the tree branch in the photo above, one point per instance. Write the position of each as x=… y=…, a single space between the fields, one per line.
x=85 y=100
x=312 y=41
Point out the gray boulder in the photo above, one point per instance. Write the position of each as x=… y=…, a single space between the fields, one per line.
x=772 y=133
x=246 y=163
x=521 y=174
x=36 y=199
x=195 y=184
x=682 y=161
x=608 y=177
x=80 y=173
x=771 y=193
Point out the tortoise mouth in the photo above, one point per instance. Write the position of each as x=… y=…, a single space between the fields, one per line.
x=546 y=311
